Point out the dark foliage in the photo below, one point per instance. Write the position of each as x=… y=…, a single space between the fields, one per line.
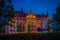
x=6 y=12
x=56 y=16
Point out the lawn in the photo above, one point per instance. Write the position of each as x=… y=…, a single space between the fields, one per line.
x=32 y=36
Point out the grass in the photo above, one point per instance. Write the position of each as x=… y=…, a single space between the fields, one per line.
x=32 y=36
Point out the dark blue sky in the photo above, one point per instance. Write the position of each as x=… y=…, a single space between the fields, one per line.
x=37 y=6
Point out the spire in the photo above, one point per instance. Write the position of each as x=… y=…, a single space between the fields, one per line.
x=42 y=14
x=30 y=11
x=47 y=13
x=22 y=9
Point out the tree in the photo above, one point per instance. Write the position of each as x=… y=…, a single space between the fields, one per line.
x=54 y=26
x=48 y=25
x=2 y=7
x=6 y=11
x=48 y=22
x=2 y=24
x=56 y=18
x=29 y=28
x=20 y=28
x=10 y=10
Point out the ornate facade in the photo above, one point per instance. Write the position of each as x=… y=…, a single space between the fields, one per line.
x=30 y=22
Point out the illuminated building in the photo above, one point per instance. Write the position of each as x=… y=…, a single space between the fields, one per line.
x=31 y=20
x=10 y=29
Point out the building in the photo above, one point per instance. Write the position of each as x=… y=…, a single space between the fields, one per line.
x=30 y=22
x=10 y=29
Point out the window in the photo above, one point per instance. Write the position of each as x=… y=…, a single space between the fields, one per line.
x=32 y=27
x=7 y=28
x=13 y=26
x=11 y=30
x=10 y=26
x=17 y=22
x=7 y=32
x=38 y=29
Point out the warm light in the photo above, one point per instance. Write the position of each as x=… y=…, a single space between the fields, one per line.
x=31 y=16
x=30 y=19
x=33 y=31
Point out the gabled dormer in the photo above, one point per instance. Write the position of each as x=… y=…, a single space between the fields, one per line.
x=31 y=15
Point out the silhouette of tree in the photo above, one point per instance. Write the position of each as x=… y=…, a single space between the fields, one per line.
x=48 y=22
x=6 y=11
x=29 y=28
x=2 y=7
x=20 y=28
x=56 y=18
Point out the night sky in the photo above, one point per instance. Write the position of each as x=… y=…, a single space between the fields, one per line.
x=37 y=6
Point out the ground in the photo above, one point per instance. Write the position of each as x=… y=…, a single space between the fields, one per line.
x=32 y=36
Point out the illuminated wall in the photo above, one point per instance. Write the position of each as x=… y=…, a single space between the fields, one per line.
x=33 y=20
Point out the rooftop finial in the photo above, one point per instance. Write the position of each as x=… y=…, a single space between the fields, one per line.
x=47 y=12
x=22 y=8
x=30 y=11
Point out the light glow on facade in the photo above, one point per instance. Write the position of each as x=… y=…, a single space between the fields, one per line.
x=31 y=19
